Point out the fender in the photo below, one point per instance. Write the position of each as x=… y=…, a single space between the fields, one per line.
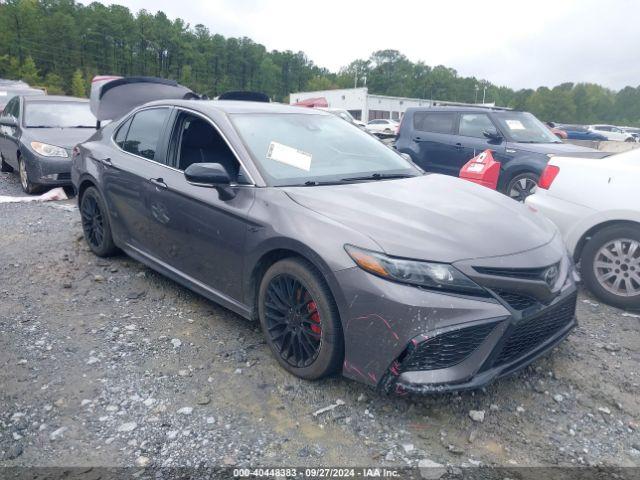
x=529 y=162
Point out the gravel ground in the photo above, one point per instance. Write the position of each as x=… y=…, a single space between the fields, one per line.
x=106 y=363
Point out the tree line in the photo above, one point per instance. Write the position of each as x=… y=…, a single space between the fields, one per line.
x=61 y=45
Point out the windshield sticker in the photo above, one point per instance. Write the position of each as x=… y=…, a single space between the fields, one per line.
x=289 y=156
x=515 y=124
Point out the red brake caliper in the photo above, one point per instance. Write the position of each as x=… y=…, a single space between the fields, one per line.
x=312 y=308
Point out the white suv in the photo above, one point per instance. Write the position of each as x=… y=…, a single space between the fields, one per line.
x=612 y=133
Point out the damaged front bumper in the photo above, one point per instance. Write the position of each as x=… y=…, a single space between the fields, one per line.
x=406 y=339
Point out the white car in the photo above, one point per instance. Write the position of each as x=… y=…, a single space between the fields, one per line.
x=595 y=202
x=382 y=126
x=612 y=133
x=344 y=114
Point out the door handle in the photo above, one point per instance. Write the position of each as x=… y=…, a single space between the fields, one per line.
x=458 y=146
x=105 y=161
x=417 y=139
x=158 y=182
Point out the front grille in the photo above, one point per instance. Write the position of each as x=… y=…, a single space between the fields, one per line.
x=530 y=333
x=523 y=273
x=517 y=301
x=447 y=349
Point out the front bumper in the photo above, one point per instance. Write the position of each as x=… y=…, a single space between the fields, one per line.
x=50 y=171
x=511 y=346
x=406 y=339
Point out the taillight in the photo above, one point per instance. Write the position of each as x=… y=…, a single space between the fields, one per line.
x=549 y=174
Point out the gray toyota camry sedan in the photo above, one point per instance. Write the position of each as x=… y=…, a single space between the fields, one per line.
x=352 y=258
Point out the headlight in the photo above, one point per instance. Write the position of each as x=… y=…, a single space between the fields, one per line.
x=436 y=276
x=47 y=150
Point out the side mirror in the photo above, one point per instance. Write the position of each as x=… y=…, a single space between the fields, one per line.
x=211 y=175
x=495 y=136
x=8 y=121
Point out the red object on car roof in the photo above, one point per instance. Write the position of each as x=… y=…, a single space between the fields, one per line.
x=482 y=169
x=313 y=102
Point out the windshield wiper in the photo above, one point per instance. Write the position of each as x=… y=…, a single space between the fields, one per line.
x=378 y=176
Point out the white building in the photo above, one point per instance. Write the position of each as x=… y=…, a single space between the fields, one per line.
x=361 y=104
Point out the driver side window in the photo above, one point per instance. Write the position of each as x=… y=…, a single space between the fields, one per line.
x=195 y=140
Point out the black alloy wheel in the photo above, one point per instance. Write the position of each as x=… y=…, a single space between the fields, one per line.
x=300 y=319
x=293 y=321
x=95 y=224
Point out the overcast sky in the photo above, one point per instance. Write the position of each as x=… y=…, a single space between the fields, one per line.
x=514 y=43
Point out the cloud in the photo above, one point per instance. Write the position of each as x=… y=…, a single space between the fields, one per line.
x=518 y=44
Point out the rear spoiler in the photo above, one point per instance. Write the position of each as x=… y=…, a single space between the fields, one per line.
x=112 y=97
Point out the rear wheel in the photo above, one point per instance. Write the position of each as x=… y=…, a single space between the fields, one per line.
x=522 y=185
x=25 y=182
x=300 y=320
x=610 y=265
x=95 y=223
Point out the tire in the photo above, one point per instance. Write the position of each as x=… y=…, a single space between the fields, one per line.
x=630 y=140
x=306 y=340
x=4 y=166
x=25 y=182
x=619 y=284
x=95 y=224
x=521 y=186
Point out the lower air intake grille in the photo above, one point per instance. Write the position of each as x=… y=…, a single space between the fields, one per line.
x=446 y=350
x=530 y=333
x=517 y=301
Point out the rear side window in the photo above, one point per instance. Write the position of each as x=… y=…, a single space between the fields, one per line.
x=121 y=135
x=435 y=122
x=144 y=132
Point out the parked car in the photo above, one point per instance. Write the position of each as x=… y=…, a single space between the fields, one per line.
x=596 y=205
x=382 y=126
x=37 y=135
x=561 y=134
x=11 y=88
x=344 y=114
x=578 y=132
x=633 y=131
x=612 y=132
x=443 y=139
x=352 y=259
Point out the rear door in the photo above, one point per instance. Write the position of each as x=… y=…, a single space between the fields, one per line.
x=9 y=136
x=471 y=128
x=127 y=173
x=434 y=141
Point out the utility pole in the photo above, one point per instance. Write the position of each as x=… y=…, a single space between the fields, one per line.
x=476 y=89
x=484 y=92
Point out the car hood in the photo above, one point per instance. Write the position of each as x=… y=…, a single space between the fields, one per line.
x=550 y=148
x=431 y=217
x=60 y=137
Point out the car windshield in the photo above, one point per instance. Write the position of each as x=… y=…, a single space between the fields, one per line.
x=299 y=149
x=58 y=115
x=522 y=127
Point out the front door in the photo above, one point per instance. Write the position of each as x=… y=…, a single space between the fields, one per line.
x=472 y=139
x=201 y=235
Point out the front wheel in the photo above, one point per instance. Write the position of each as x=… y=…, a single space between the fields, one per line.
x=522 y=185
x=25 y=182
x=95 y=223
x=610 y=265
x=300 y=320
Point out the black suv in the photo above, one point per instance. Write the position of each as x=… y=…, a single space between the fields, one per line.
x=443 y=139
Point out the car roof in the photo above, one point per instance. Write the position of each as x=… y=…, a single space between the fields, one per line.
x=53 y=98
x=238 y=106
x=456 y=109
